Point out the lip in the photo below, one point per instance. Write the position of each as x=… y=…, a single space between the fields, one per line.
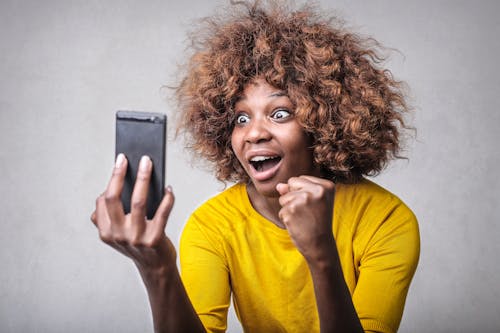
x=260 y=152
x=263 y=175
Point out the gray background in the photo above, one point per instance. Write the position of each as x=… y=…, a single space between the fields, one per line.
x=66 y=66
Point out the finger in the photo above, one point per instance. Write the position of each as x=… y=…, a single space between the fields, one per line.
x=102 y=221
x=139 y=200
x=293 y=196
x=284 y=216
x=298 y=183
x=163 y=211
x=286 y=199
x=310 y=184
x=109 y=232
x=93 y=218
x=321 y=186
x=320 y=181
x=282 y=188
x=113 y=191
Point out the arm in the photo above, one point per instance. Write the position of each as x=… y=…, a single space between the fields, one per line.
x=335 y=307
x=307 y=206
x=386 y=265
x=171 y=308
x=204 y=269
x=147 y=245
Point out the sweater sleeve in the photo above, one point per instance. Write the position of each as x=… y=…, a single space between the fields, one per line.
x=386 y=269
x=205 y=275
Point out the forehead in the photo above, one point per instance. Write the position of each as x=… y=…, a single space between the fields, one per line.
x=259 y=88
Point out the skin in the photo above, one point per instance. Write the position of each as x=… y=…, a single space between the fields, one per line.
x=292 y=196
x=307 y=208
x=265 y=125
x=295 y=198
x=147 y=245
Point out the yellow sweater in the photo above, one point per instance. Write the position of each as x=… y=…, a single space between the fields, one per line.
x=229 y=248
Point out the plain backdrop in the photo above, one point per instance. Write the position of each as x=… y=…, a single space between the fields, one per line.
x=67 y=66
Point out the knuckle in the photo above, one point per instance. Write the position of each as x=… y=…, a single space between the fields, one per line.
x=170 y=200
x=120 y=240
x=304 y=198
x=143 y=176
x=330 y=186
x=100 y=201
x=162 y=216
x=136 y=242
x=321 y=191
x=105 y=236
x=93 y=217
x=150 y=243
x=282 y=216
x=117 y=237
x=110 y=198
x=134 y=236
x=166 y=204
x=153 y=241
x=138 y=204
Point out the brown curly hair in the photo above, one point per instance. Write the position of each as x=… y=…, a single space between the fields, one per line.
x=351 y=107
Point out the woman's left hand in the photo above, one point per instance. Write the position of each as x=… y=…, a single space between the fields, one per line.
x=307 y=211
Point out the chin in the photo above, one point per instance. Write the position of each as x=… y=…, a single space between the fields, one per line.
x=267 y=190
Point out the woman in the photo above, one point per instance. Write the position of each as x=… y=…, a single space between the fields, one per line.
x=296 y=111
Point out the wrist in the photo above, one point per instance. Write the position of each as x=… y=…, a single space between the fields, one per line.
x=160 y=263
x=324 y=258
x=157 y=276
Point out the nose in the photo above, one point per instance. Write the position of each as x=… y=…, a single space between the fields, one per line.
x=257 y=131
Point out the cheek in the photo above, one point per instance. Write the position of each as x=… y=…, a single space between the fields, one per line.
x=235 y=145
x=302 y=147
x=300 y=140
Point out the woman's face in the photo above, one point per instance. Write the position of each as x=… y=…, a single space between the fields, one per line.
x=267 y=139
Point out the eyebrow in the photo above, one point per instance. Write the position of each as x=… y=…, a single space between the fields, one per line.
x=275 y=94
x=278 y=94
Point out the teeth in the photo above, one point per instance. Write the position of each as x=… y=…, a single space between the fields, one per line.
x=261 y=158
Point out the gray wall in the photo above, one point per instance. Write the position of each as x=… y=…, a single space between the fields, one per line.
x=66 y=66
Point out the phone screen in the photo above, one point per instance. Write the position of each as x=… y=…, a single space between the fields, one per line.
x=138 y=134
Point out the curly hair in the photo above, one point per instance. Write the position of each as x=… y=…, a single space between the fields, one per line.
x=351 y=107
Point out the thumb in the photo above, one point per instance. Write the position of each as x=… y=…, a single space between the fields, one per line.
x=282 y=188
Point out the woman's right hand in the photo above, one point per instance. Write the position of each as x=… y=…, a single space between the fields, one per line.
x=144 y=241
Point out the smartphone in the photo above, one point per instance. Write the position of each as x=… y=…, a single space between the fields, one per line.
x=137 y=134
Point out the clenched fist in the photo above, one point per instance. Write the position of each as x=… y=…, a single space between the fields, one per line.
x=307 y=211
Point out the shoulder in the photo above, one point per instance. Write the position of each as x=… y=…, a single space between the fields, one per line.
x=365 y=190
x=211 y=226
x=385 y=248
x=222 y=211
x=232 y=201
x=368 y=198
x=374 y=214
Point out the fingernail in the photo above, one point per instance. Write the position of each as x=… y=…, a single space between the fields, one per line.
x=145 y=162
x=169 y=188
x=119 y=160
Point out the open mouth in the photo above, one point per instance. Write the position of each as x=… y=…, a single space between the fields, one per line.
x=264 y=163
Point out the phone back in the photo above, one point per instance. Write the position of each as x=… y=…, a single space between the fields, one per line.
x=138 y=134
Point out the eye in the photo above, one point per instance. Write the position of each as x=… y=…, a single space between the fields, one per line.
x=242 y=119
x=281 y=114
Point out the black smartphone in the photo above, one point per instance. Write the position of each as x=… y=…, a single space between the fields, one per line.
x=138 y=134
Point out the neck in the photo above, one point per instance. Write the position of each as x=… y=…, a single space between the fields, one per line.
x=267 y=206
